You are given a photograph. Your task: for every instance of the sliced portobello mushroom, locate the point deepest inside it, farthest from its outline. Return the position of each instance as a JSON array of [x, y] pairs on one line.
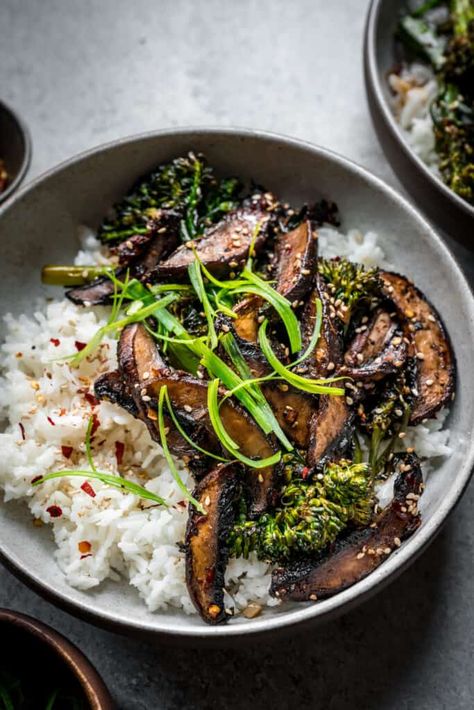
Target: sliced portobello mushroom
[[327, 355], [296, 253], [359, 553], [331, 429], [207, 537], [378, 351], [369, 343], [112, 387], [138, 255], [331, 426], [189, 394], [436, 368], [246, 324], [225, 247], [140, 361]]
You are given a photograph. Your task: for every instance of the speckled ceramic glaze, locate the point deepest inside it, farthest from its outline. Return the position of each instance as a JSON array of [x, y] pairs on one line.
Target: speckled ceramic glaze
[[447, 210], [15, 148], [39, 226], [67, 653]]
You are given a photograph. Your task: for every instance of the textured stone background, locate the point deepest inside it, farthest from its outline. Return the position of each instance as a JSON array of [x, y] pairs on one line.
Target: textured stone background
[[84, 72]]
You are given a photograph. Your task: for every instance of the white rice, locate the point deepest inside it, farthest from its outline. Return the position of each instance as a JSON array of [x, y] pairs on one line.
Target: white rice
[[128, 538]]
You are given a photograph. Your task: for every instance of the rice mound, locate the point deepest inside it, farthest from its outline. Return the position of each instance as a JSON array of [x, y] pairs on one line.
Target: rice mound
[[103, 532], [413, 91]]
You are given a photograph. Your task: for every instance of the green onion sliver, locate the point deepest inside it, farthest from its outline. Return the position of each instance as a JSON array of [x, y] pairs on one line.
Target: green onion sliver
[[195, 276], [226, 440], [314, 337], [167, 453], [302, 383], [110, 480], [184, 434]]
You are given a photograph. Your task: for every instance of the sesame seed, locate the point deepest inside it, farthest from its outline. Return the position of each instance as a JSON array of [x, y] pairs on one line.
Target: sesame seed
[[402, 435], [330, 366], [305, 272], [387, 550], [146, 398], [420, 356], [313, 597], [360, 555], [360, 357], [429, 382], [225, 328], [349, 400], [207, 500], [188, 408]]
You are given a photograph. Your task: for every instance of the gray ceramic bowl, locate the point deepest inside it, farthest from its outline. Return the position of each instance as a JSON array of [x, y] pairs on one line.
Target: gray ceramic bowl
[[447, 210], [15, 148], [41, 221], [41, 648]]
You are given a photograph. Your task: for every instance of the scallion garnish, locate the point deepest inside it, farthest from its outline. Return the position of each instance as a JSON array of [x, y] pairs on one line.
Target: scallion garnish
[[109, 479], [195, 276], [227, 442], [167, 453], [114, 325], [301, 383]]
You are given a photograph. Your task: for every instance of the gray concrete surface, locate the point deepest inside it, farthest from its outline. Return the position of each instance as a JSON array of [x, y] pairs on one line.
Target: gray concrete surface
[[83, 72]]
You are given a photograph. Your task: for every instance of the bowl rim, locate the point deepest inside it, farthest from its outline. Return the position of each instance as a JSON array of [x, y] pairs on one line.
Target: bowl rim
[[91, 682], [27, 151], [372, 74], [308, 613]]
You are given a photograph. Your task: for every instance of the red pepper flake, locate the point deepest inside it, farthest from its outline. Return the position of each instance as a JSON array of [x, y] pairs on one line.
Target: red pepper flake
[[95, 424], [87, 488], [91, 399], [36, 478], [119, 451], [54, 511], [304, 473], [22, 429], [181, 503], [55, 341], [83, 557], [51, 421], [79, 346], [67, 451], [84, 546], [210, 574]]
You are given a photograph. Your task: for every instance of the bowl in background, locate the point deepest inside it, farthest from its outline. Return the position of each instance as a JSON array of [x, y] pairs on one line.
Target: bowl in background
[[447, 210], [38, 661]]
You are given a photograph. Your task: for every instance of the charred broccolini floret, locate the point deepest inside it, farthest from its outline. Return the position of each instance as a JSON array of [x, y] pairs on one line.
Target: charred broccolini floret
[[384, 421], [311, 514], [187, 185], [350, 283]]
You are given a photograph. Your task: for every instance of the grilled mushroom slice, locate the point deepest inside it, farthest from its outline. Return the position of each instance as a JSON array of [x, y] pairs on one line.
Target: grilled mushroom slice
[[435, 379], [225, 246], [376, 352], [112, 387], [189, 394], [246, 324], [331, 425], [140, 361], [356, 556], [206, 540], [139, 255], [296, 254]]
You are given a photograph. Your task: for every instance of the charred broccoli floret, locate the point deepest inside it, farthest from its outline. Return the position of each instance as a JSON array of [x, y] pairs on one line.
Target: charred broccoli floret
[[187, 185], [311, 514], [349, 283]]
